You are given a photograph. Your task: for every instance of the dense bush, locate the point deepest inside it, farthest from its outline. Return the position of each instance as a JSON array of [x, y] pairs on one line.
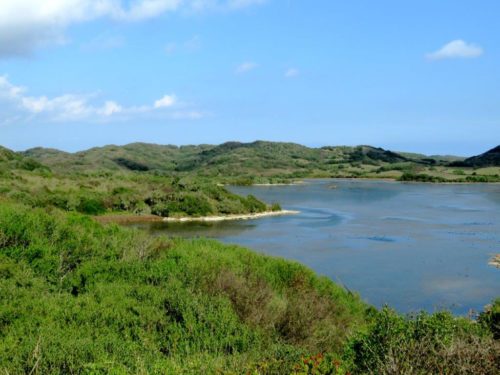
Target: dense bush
[[78, 297], [423, 344], [131, 193], [409, 176], [490, 318]]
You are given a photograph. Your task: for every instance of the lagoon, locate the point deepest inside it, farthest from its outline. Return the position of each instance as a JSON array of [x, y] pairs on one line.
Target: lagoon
[[411, 246]]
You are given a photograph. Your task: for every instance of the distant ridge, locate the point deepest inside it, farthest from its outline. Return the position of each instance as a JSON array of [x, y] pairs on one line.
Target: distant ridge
[[258, 162], [227, 159], [490, 158]]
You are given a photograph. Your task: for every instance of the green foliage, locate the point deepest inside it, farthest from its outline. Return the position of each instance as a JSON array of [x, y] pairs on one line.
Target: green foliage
[[409, 176], [423, 344], [257, 162], [91, 206], [78, 297], [276, 207], [129, 193], [253, 205], [238, 163], [490, 318]]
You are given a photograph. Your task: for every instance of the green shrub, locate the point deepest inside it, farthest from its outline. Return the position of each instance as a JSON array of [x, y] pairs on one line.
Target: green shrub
[[253, 205], [79, 297], [91, 206], [423, 344], [490, 318]]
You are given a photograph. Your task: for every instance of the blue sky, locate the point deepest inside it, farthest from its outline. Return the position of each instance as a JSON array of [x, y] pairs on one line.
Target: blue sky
[[415, 75]]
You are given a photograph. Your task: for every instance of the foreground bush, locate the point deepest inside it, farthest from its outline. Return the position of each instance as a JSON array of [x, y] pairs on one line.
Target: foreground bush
[[77, 297], [424, 344]]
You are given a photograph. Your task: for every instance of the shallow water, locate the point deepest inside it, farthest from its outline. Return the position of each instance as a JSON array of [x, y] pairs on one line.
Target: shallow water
[[412, 246]]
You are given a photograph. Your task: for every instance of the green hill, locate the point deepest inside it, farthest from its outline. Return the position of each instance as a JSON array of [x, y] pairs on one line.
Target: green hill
[[120, 189], [270, 162], [10, 160], [258, 158], [490, 158]]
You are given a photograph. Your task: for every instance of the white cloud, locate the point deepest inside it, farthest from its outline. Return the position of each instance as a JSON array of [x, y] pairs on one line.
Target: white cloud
[[26, 25], [166, 101], [456, 49], [246, 67], [111, 107], [291, 73], [69, 107]]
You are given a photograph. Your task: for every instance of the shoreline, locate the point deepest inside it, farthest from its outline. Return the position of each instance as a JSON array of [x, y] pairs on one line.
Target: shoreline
[[375, 179], [495, 261], [131, 219], [253, 216], [281, 184]]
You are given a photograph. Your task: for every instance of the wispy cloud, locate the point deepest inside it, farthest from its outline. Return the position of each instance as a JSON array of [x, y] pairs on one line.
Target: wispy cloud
[[70, 107], [456, 49], [246, 67], [292, 72], [26, 25]]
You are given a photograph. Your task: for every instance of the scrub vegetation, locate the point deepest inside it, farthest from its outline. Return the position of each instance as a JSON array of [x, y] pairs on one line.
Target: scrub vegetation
[[274, 162], [81, 297], [27, 181]]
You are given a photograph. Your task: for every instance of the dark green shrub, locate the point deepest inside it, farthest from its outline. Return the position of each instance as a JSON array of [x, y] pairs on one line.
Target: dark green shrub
[[490, 318], [275, 207], [91, 206], [253, 205]]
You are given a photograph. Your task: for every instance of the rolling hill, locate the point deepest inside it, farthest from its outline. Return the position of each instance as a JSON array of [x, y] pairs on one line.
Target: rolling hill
[[490, 158], [258, 158]]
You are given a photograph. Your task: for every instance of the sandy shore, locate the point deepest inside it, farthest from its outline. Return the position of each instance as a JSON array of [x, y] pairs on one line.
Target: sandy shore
[[294, 183], [130, 219], [230, 217], [495, 261]]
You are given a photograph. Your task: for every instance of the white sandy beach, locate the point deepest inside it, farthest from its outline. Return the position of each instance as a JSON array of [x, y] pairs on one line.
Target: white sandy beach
[[495, 261], [231, 217]]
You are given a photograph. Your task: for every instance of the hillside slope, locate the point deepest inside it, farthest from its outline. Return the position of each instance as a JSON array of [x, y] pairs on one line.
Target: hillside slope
[[490, 158], [231, 158]]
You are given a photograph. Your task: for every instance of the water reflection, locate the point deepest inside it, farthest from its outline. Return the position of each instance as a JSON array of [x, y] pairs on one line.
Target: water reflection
[[196, 229]]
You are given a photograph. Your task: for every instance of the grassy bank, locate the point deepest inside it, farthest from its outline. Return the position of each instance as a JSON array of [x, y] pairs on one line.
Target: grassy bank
[[80, 297]]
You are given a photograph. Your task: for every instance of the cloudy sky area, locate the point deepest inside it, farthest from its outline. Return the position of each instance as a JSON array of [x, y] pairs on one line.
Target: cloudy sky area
[[416, 75]]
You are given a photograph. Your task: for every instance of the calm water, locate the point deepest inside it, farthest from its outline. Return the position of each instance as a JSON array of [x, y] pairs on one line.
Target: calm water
[[412, 246]]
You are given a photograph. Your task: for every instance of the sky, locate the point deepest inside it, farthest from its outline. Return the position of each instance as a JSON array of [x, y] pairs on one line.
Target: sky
[[416, 75]]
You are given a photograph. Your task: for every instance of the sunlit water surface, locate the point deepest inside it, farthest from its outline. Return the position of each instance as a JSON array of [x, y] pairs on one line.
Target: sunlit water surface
[[412, 246]]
